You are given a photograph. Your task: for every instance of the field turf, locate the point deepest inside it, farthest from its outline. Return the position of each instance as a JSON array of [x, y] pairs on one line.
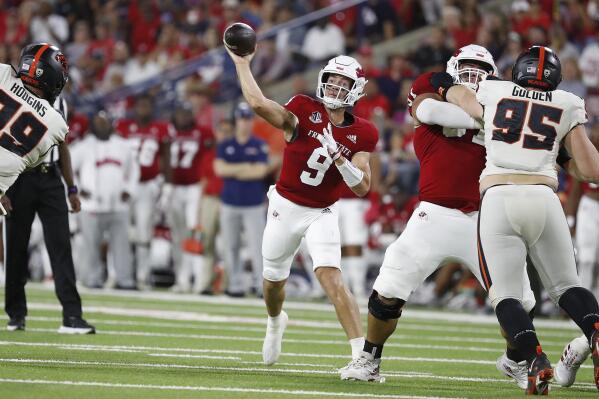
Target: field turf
[[162, 345]]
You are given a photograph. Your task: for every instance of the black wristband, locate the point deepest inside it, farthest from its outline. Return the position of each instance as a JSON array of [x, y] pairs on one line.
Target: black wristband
[[441, 82], [73, 190]]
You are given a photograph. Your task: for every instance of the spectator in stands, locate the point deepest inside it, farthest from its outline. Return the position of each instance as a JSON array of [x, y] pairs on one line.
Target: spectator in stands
[[435, 53], [142, 66], [398, 69], [379, 20], [115, 72], [242, 162], [323, 41], [558, 41], [571, 78], [589, 62], [509, 56], [80, 43], [373, 104], [366, 58], [107, 175], [47, 26]]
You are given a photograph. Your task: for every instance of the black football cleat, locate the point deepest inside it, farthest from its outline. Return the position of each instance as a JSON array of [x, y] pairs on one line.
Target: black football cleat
[[16, 324], [76, 325], [540, 373]]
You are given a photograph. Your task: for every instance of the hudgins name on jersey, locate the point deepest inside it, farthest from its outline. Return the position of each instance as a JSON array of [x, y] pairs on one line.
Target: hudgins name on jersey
[[531, 94], [30, 99]]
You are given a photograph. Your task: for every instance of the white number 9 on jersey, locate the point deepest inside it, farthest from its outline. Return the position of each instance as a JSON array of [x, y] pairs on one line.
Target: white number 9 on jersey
[[319, 162]]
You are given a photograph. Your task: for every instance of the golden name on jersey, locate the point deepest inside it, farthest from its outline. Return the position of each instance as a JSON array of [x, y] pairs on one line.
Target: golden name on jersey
[[532, 94], [30, 99]]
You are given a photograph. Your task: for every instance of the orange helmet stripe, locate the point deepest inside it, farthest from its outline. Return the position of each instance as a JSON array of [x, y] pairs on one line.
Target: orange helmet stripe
[[37, 58], [541, 63]]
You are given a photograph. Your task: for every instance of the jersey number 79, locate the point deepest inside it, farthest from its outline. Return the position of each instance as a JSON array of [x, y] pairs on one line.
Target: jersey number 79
[[26, 131]]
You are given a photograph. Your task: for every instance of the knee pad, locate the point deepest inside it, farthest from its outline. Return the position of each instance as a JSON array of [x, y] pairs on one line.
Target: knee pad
[[384, 310], [274, 271]]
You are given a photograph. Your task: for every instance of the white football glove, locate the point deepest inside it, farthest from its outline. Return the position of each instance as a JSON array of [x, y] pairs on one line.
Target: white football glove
[[453, 132], [328, 142]]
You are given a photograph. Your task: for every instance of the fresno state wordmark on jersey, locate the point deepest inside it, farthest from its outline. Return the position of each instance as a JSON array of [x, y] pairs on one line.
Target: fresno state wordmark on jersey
[[307, 177]]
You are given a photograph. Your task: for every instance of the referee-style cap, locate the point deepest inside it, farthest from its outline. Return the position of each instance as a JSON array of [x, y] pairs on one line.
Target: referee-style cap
[[243, 110]]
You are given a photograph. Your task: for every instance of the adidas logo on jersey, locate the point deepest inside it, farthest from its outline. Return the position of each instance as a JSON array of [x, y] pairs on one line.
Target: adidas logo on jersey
[[352, 137], [326, 210]]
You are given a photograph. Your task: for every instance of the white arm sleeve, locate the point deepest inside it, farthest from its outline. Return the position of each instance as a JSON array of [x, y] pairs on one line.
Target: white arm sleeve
[[434, 112]]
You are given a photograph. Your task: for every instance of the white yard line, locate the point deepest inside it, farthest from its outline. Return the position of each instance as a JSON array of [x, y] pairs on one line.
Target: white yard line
[[287, 340], [215, 337], [192, 351], [259, 369], [215, 389], [409, 313]]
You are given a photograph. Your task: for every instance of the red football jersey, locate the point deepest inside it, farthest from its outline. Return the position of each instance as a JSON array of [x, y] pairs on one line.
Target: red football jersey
[[145, 141], [308, 176], [187, 149], [449, 166]]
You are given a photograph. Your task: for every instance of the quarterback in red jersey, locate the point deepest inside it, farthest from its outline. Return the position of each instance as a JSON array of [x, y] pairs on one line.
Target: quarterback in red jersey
[[150, 140], [443, 226], [319, 133]]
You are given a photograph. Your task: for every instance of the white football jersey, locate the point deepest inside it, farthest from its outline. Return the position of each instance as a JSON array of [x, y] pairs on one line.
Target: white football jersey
[[524, 128], [29, 127]]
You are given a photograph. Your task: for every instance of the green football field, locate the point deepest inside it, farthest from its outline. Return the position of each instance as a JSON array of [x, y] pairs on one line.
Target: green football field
[[162, 345]]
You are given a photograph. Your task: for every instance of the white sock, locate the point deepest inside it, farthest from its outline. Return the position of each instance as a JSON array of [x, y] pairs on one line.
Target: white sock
[[355, 268], [274, 321], [357, 344]]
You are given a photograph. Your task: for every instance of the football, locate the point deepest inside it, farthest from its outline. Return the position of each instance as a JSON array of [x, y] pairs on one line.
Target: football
[[240, 38]]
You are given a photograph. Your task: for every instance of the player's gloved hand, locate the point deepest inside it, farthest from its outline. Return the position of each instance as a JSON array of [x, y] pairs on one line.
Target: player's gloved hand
[[453, 132], [441, 81], [328, 142]]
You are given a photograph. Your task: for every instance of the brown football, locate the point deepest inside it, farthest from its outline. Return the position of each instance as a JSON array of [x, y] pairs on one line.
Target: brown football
[[240, 38]]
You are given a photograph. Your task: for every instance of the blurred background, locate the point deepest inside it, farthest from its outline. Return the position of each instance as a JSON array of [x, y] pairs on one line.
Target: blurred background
[[158, 70]]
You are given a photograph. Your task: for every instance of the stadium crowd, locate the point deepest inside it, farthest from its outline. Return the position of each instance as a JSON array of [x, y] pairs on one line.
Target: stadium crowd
[[114, 43]]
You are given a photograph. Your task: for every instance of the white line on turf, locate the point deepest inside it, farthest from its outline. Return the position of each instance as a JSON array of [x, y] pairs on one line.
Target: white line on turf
[[566, 335], [257, 369], [152, 349], [408, 313], [216, 389], [452, 347]]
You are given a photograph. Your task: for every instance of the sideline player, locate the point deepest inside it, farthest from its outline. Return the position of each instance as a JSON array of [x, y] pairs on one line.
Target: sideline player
[[29, 124], [189, 142], [150, 139], [526, 122], [443, 227], [303, 203]]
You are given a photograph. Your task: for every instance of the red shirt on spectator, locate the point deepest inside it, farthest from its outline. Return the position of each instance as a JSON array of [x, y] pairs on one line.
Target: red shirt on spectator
[[368, 105], [145, 24], [78, 125]]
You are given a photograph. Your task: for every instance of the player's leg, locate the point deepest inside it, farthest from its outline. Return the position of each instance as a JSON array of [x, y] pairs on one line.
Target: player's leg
[[118, 237], [209, 218], [506, 212], [254, 221], [53, 213], [144, 209], [323, 241], [553, 255], [281, 239], [587, 244], [511, 363], [91, 238], [231, 222], [354, 235], [17, 229], [411, 258], [178, 226]]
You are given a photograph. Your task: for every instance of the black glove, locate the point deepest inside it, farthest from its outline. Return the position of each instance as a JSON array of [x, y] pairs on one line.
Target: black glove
[[441, 81]]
